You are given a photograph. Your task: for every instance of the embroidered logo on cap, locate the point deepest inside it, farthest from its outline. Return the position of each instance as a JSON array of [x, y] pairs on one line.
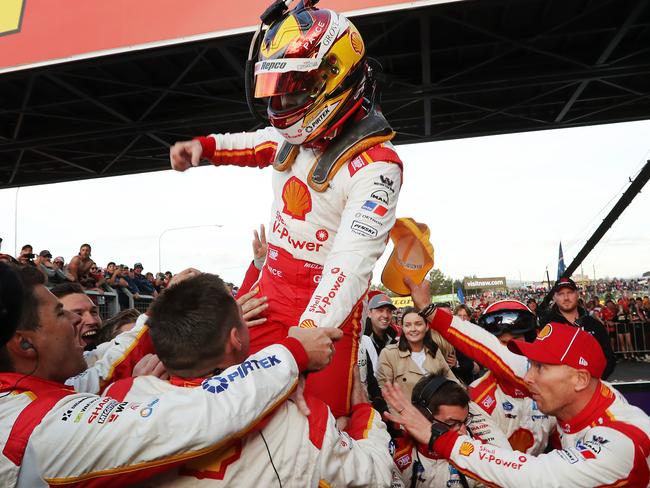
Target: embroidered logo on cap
[[545, 332]]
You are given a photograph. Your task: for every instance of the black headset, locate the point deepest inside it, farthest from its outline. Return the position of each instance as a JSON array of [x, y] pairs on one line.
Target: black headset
[[421, 397]]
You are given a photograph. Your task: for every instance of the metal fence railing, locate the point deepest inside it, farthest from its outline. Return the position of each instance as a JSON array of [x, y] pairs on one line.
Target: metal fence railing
[[106, 302], [141, 304], [109, 305], [631, 339]]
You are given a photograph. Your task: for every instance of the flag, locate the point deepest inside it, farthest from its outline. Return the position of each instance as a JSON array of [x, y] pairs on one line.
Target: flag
[[560, 263], [461, 295]]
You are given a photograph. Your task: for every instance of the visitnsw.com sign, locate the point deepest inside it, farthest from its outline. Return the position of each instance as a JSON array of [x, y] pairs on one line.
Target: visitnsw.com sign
[[484, 283]]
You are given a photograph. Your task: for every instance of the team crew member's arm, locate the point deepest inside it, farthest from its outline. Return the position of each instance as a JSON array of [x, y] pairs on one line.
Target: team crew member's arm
[[256, 149], [251, 277], [481, 346], [360, 241], [608, 457], [87, 438], [112, 362], [587, 465], [359, 457]]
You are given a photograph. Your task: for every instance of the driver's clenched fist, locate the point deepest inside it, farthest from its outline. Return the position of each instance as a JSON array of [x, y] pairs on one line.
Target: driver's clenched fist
[[185, 154]]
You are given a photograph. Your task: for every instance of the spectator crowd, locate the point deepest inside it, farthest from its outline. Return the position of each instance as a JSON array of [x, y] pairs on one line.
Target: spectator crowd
[[451, 384]]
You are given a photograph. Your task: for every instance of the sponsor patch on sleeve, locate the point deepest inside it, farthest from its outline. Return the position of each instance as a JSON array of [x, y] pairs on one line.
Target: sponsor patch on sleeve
[[375, 208]]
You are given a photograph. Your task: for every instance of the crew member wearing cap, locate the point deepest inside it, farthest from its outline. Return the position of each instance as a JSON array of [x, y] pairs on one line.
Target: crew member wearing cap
[[605, 441], [378, 325], [566, 310], [505, 412]]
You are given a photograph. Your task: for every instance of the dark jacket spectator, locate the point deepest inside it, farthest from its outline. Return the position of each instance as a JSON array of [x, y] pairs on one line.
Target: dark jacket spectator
[[589, 324], [52, 272], [141, 282]]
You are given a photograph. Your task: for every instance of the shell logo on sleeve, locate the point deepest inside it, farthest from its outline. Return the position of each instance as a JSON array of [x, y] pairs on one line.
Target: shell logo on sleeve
[[466, 448]]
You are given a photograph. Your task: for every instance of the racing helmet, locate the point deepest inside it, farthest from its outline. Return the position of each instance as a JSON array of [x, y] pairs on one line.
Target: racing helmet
[[312, 67], [509, 316]]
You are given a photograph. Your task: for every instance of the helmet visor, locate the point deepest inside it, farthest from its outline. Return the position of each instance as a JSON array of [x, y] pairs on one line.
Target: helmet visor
[[516, 322], [288, 75]]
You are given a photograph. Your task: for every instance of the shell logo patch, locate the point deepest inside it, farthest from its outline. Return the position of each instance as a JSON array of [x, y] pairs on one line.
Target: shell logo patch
[[466, 448], [11, 16], [357, 43], [296, 198], [545, 332], [521, 440], [307, 324]]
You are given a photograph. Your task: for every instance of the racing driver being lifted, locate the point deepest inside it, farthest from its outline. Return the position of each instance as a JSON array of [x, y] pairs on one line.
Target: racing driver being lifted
[[336, 179]]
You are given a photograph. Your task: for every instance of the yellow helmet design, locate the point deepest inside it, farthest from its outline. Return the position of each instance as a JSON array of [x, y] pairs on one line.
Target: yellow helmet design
[[312, 67]]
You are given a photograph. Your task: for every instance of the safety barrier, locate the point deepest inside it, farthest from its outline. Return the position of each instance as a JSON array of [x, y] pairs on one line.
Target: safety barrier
[[141, 303], [109, 305], [631, 339], [106, 302]]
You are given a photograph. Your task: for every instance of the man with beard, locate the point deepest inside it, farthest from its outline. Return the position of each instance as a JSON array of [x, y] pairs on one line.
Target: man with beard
[[566, 310]]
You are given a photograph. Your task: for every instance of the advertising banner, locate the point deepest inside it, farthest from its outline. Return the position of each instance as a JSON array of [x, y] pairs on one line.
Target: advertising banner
[[40, 32], [484, 283], [401, 302]]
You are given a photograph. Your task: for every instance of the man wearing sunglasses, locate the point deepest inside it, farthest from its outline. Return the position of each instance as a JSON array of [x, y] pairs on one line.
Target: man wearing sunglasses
[[444, 401], [336, 179], [505, 409]]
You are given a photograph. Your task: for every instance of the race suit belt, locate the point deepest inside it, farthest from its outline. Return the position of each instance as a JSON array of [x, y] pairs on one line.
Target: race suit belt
[[290, 270]]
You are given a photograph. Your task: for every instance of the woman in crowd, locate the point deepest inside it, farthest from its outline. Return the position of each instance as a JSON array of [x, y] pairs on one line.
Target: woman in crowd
[[462, 366], [414, 356], [463, 312]]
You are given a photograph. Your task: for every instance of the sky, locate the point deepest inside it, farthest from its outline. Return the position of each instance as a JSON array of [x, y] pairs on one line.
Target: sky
[[496, 206]]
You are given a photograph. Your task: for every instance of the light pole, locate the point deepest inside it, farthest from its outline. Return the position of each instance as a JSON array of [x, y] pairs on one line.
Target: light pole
[[178, 228], [16, 224]]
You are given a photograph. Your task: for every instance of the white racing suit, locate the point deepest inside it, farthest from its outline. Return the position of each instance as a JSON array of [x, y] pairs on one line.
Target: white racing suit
[[502, 412], [607, 444], [323, 244], [305, 451], [428, 470], [52, 435], [114, 360]]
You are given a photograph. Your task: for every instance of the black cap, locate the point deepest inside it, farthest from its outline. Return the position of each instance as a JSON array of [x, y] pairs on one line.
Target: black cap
[[45, 254], [138, 265], [565, 283]]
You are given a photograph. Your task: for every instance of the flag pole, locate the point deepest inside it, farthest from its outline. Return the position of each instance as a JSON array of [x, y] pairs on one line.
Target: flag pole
[[635, 187]]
